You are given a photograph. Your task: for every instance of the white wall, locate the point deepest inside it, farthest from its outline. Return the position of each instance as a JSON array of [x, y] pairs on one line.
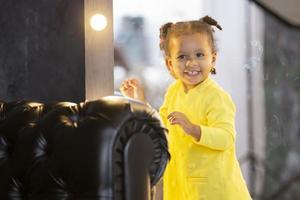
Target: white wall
[[231, 71], [241, 49]]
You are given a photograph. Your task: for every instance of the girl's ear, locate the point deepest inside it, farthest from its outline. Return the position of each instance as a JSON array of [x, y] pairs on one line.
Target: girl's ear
[[214, 58], [169, 64]]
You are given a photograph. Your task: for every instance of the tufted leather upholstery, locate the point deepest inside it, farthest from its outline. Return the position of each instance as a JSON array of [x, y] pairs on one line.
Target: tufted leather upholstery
[[110, 149]]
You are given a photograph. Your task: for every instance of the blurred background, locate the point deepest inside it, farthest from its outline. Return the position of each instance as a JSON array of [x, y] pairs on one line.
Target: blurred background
[[258, 64]]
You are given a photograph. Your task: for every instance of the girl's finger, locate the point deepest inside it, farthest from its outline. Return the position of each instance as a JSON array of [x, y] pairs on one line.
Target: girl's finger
[[174, 113], [132, 85], [174, 122], [169, 116], [127, 85], [134, 81], [171, 119], [124, 84]]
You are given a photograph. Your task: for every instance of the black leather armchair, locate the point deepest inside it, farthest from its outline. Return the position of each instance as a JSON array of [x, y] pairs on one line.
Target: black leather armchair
[[111, 149]]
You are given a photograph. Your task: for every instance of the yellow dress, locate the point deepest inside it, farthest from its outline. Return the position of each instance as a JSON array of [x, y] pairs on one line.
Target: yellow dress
[[207, 169]]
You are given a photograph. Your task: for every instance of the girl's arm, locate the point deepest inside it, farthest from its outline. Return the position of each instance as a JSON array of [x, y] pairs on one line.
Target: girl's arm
[[219, 133], [133, 89]]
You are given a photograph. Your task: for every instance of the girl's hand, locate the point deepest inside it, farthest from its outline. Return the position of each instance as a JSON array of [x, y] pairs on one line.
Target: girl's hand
[[133, 89], [178, 118]]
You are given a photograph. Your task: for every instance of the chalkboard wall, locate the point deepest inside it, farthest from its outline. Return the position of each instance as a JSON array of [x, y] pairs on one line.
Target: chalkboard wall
[[42, 50]]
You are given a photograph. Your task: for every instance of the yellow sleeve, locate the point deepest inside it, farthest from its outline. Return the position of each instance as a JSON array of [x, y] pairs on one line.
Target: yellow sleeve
[[219, 134], [163, 110]]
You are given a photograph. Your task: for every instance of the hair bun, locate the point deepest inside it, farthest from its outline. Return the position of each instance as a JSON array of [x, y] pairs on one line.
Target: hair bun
[[164, 30], [207, 19], [163, 34]]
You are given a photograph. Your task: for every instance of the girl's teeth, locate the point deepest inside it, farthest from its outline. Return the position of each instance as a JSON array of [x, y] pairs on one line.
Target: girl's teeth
[[192, 73]]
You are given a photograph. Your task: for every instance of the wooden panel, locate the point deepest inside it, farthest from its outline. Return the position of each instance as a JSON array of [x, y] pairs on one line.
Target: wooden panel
[[98, 51]]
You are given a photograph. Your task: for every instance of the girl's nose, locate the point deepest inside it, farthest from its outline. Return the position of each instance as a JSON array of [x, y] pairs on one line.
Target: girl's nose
[[191, 62]]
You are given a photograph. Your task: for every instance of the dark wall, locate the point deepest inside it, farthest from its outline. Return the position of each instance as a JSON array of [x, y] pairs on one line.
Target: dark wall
[[42, 50], [282, 94]]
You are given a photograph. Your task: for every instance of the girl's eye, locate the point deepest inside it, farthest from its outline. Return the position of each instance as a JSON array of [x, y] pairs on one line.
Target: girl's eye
[[181, 57], [199, 55]]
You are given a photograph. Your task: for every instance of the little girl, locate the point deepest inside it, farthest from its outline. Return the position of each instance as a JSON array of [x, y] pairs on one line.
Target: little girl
[[199, 115]]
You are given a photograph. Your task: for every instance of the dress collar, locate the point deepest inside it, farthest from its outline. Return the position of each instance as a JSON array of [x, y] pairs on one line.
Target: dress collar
[[198, 87]]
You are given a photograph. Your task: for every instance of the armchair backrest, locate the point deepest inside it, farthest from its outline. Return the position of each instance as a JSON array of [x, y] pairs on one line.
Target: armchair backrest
[[114, 148]]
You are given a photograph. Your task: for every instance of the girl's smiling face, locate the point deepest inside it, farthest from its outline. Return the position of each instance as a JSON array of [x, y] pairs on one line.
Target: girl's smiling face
[[191, 58]]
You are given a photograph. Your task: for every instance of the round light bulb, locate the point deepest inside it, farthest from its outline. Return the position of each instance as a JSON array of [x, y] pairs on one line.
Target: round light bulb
[[98, 22]]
